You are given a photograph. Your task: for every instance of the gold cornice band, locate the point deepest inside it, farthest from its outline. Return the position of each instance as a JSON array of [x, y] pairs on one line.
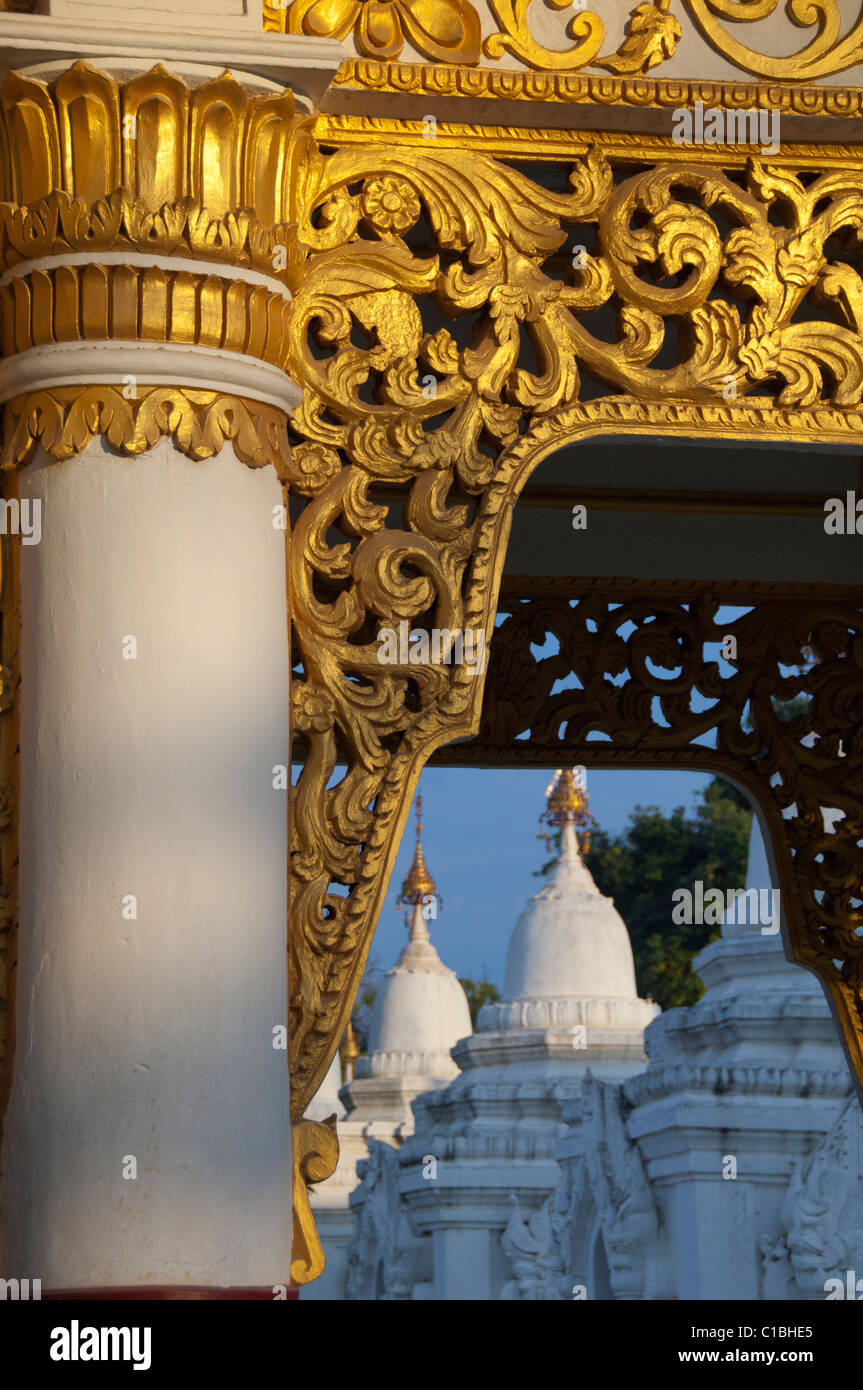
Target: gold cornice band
[[580, 89], [551, 145]]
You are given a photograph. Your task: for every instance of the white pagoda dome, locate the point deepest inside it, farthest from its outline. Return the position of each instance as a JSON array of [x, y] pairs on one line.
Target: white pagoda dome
[[419, 1014], [570, 941], [569, 962], [571, 1010]]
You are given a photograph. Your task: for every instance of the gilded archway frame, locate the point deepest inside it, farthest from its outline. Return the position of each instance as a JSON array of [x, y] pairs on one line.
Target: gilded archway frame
[[413, 445]]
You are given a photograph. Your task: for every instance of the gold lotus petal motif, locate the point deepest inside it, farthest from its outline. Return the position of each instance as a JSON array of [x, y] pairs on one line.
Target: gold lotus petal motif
[[88, 136]]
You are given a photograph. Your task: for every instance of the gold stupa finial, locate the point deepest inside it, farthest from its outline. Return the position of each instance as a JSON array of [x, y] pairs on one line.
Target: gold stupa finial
[[418, 884], [348, 1051], [566, 801]]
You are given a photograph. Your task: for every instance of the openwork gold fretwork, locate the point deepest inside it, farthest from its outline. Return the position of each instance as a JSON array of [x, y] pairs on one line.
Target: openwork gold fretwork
[[442, 340], [629, 675], [826, 53]]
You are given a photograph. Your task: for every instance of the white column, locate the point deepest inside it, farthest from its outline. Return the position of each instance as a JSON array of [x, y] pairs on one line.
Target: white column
[[150, 1038]]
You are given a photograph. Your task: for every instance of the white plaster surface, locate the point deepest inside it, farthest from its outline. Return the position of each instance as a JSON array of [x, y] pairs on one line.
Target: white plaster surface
[[154, 777]]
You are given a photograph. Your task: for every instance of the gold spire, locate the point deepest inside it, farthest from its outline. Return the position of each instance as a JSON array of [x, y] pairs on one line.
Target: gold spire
[[566, 801], [348, 1049], [418, 883]]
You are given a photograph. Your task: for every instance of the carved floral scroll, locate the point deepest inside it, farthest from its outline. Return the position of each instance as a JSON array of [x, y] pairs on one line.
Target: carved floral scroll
[[450, 31]]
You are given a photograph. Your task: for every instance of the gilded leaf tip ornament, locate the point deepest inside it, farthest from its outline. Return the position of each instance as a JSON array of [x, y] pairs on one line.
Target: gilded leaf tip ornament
[[316, 1153], [64, 420], [652, 36]]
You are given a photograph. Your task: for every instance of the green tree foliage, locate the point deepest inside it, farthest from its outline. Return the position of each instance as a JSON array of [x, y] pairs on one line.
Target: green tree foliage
[[479, 992], [655, 854], [362, 1015]]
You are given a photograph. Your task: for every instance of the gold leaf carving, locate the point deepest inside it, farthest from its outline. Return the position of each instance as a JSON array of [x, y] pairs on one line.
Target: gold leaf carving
[[316, 1153], [515, 37], [413, 524], [65, 419], [825, 55], [652, 36], [445, 30], [449, 31]]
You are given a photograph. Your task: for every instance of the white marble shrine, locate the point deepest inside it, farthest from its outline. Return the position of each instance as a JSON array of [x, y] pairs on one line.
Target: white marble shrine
[[564, 1161]]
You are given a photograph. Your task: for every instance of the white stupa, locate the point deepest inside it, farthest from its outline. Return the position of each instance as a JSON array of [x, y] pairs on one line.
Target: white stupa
[[571, 1007], [326, 1101], [419, 1014], [570, 976]]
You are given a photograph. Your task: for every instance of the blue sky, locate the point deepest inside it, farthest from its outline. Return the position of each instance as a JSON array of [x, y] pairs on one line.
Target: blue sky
[[479, 837]]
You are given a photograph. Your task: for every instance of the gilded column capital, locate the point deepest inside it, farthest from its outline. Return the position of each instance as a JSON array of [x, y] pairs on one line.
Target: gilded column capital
[[148, 254]]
